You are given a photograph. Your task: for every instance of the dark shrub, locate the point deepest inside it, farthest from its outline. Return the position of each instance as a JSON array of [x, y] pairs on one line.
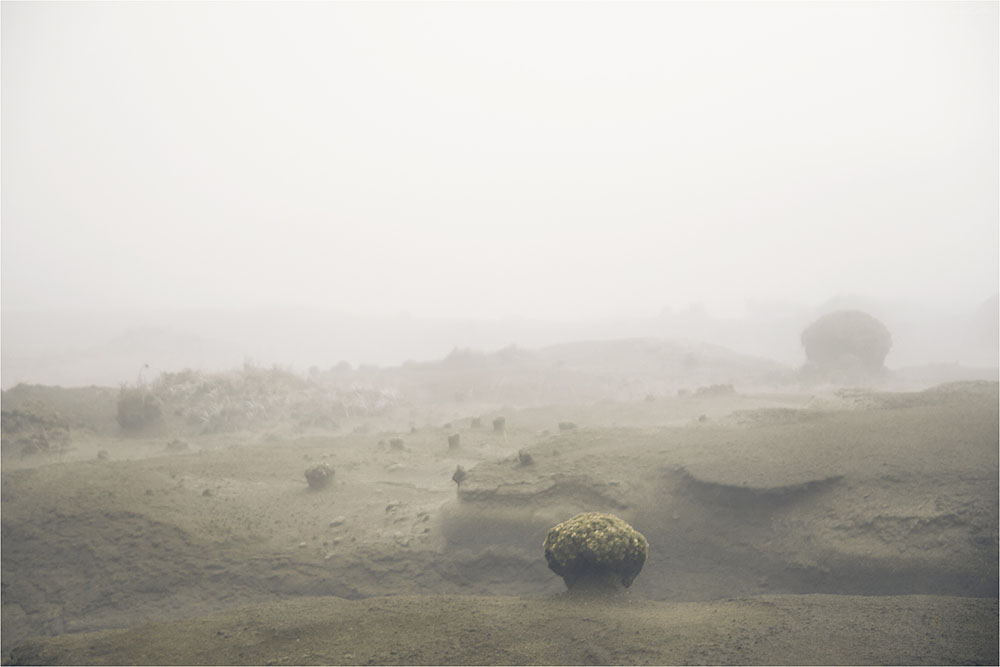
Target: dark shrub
[[138, 409], [595, 550], [319, 476], [849, 340]]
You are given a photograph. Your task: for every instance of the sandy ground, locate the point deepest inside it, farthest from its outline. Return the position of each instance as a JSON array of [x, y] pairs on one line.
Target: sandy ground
[[835, 529], [473, 630]]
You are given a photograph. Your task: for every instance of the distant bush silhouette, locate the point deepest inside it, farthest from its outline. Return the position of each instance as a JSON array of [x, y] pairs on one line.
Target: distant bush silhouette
[[847, 341], [138, 408]]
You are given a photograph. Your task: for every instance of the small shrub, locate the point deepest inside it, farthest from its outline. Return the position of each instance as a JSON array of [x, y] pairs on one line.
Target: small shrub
[[499, 424], [138, 409], [454, 441], [595, 549], [319, 476]]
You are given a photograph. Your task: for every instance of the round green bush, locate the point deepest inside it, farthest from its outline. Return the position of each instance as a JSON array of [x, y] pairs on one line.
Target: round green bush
[[595, 547]]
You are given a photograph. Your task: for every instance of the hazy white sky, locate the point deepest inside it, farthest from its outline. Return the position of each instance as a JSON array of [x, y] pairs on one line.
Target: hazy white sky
[[530, 159]]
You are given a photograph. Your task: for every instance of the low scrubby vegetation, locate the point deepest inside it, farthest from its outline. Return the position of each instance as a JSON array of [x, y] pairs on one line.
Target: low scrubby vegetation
[[254, 396], [189, 403], [138, 409], [27, 432]]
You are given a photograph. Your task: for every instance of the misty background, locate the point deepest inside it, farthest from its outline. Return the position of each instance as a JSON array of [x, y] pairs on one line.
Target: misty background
[[195, 184]]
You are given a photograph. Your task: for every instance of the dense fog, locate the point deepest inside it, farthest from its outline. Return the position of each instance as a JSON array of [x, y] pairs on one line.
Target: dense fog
[[305, 183], [111, 347], [500, 333]]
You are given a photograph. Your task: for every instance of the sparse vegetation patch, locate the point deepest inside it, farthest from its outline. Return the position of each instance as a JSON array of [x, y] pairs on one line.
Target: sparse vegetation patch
[[27, 432]]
